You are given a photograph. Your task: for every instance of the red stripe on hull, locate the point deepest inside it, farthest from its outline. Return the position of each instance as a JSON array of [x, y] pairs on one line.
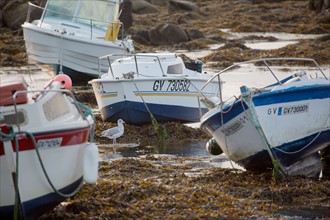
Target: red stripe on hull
[[69, 137]]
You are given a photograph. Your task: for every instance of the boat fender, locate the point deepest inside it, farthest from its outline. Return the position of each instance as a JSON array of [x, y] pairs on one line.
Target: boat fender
[[90, 163], [213, 148], [64, 80]]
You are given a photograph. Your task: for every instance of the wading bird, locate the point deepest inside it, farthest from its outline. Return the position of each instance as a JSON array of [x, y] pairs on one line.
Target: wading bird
[[115, 132]]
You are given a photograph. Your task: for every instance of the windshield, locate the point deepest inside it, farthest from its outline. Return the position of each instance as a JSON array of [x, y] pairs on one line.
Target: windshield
[[97, 12]]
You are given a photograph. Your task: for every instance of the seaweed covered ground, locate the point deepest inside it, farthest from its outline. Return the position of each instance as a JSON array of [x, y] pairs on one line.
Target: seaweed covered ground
[[168, 187], [155, 186]]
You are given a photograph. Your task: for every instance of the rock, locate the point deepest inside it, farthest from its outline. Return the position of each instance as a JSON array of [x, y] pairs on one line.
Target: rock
[[143, 7], [2, 4], [158, 2], [195, 34], [239, 45], [167, 34], [35, 13], [180, 5], [1, 23], [126, 16], [140, 36], [319, 5], [14, 14], [188, 17], [324, 38]]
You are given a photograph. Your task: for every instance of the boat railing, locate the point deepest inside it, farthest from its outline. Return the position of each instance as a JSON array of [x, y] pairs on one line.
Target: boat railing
[[40, 93], [266, 62], [112, 57], [36, 12]]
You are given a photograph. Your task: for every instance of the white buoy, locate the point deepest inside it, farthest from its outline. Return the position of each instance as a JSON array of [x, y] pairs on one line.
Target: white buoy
[[91, 163]]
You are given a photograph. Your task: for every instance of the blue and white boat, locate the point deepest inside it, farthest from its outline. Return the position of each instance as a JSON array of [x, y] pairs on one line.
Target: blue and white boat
[[140, 84], [287, 122], [72, 35]]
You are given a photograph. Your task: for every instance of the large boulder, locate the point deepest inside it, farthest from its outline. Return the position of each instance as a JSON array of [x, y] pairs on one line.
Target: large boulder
[[140, 36], [167, 34], [14, 14], [143, 7], [195, 34], [126, 16], [180, 5], [1, 24], [319, 5]]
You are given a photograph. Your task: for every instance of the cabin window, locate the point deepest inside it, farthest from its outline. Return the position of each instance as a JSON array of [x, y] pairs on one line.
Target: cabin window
[[98, 13], [61, 9], [55, 107], [174, 69]]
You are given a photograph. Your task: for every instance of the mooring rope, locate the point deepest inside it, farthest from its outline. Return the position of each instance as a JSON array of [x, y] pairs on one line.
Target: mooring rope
[[248, 100], [160, 129]]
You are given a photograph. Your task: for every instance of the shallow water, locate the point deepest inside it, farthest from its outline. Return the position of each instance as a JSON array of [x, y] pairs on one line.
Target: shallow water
[[307, 212], [283, 39], [183, 149]]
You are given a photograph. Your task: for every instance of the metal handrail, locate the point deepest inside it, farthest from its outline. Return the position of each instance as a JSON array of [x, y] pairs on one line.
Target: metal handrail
[[108, 57], [265, 61]]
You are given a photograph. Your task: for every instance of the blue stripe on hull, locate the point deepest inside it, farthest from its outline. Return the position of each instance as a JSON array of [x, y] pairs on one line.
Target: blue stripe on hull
[[268, 98], [216, 121], [37, 207], [261, 161], [136, 113], [292, 95]]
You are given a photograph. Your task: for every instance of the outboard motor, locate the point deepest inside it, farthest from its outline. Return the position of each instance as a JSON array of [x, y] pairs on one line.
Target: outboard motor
[[213, 148]]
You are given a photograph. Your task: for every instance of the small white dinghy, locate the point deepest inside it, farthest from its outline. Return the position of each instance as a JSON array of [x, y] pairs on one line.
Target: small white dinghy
[[287, 122], [159, 83], [45, 153]]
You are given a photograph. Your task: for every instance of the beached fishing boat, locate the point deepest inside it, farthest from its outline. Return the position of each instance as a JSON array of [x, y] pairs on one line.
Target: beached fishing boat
[[286, 122], [140, 84], [45, 153], [72, 35]]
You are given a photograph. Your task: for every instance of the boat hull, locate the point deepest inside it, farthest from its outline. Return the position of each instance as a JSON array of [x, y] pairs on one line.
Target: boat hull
[[36, 194], [44, 150], [136, 113], [294, 124], [132, 100], [77, 53]]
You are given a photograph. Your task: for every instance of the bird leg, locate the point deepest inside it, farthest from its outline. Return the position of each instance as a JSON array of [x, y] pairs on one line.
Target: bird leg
[[114, 146]]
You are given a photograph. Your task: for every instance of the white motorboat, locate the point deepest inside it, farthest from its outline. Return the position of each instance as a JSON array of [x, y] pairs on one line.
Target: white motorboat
[[45, 152], [72, 35], [286, 122], [157, 83]]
